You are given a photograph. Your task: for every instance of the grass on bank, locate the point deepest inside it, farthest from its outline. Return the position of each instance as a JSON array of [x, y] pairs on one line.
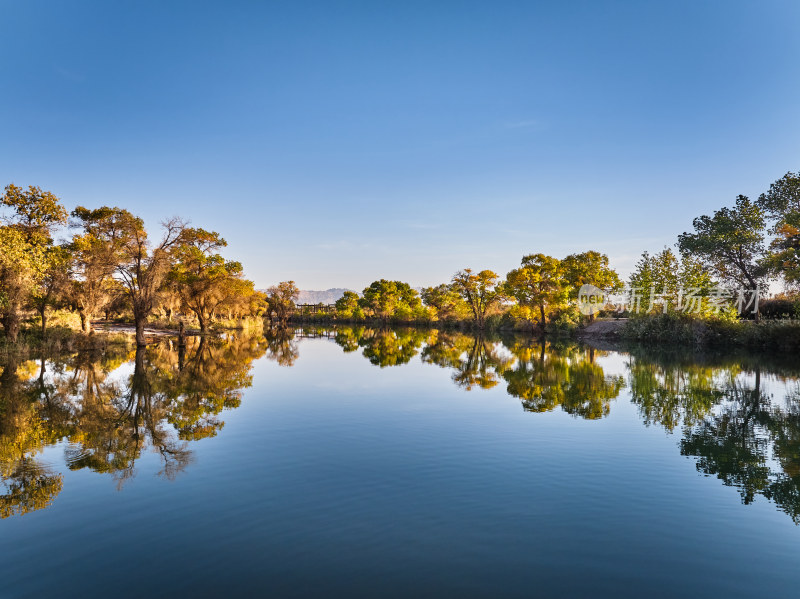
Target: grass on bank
[[773, 335], [779, 329]]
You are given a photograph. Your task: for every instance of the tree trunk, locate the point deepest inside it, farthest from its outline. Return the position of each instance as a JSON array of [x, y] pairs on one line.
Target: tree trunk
[[541, 310], [202, 322], [86, 321], [756, 290], [11, 325], [43, 314], [140, 339]]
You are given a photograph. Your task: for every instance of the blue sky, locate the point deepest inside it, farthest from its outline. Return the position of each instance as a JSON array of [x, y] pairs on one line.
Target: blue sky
[[335, 143]]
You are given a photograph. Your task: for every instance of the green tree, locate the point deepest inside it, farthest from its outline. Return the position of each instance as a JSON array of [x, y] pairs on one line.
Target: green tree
[[29, 221], [589, 268], [657, 274], [281, 299], [54, 285], [781, 204], [241, 298], [347, 305], [731, 243], [114, 241], [784, 257], [665, 282], [447, 301], [386, 299], [35, 213], [480, 291], [96, 252], [143, 267], [203, 280], [20, 270], [539, 284]]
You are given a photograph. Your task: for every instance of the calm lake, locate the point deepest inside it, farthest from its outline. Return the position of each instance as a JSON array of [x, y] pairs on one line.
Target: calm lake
[[366, 463]]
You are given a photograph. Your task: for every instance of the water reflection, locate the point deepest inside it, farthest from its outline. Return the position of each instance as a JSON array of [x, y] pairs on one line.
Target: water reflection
[[110, 407], [27, 485], [737, 416], [546, 377], [736, 430], [542, 375], [751, 441], [382, 347], [476, 360], [282, 346], [669, 393]]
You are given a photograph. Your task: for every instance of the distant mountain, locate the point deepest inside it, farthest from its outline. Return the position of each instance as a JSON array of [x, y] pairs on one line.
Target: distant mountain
[[328, 296]]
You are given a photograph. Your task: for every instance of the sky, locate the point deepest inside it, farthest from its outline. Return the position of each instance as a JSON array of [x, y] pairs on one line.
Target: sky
[[335, 143]]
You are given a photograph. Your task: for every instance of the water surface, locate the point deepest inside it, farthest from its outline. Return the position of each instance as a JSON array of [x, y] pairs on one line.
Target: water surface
[[358, 462]]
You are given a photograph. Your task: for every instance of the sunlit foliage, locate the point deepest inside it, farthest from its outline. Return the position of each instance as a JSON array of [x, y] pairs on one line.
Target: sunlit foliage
[[481, 291], [281, 299], [540, 285]]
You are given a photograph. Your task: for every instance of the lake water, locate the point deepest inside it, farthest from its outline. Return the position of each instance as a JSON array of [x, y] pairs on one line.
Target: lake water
[[364, 463]]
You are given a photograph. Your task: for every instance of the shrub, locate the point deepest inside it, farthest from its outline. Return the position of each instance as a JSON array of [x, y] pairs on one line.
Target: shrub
[[774, 335]]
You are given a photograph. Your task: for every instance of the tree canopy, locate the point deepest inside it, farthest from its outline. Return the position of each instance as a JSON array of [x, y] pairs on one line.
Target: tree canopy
[[481, 291], [730, 243], [539, 284]]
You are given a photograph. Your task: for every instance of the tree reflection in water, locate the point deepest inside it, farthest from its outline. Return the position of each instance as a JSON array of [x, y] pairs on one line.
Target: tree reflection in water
[[391, 347], [27, 485], [476, 361], [734, 428], [282, 346], [542, 375], [112, 406], [751, 442], [546, 377]]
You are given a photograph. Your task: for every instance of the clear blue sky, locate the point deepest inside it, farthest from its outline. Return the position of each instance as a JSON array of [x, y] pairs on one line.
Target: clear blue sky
[[334, 143]]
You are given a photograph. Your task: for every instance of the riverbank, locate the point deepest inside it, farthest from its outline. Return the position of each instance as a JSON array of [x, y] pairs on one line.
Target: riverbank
[[59, 340], [772, 335], [563, 325], [657, 330], [662, 329], [104, 334]]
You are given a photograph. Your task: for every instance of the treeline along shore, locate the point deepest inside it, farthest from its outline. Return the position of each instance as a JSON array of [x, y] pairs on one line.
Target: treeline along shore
[[711, 289]]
